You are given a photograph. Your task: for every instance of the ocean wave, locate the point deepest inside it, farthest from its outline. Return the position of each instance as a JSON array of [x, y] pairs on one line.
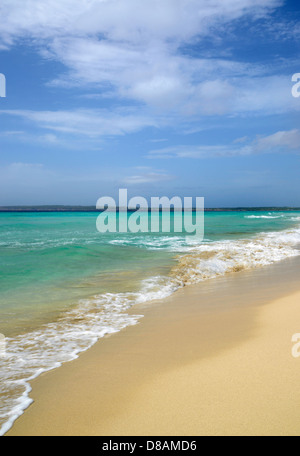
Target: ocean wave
[[40, 244], [264, 216], [219, 258], [171, 243]]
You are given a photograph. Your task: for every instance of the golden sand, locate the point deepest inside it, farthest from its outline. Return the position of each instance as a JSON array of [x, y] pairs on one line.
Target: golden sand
[[213, 359]]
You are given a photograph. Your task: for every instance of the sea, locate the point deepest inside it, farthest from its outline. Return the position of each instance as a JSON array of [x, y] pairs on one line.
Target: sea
[[64, 285]]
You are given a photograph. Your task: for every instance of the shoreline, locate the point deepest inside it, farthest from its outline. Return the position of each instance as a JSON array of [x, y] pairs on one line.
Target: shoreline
[[170, 363]]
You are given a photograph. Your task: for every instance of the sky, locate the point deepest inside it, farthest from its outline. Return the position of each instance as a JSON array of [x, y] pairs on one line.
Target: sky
[[162, 97]]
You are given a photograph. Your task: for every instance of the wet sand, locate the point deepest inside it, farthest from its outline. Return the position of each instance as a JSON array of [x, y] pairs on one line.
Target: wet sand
[[212, 359]]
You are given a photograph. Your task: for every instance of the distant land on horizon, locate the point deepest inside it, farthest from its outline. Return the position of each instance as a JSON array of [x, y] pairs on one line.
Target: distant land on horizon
[[66, 208]]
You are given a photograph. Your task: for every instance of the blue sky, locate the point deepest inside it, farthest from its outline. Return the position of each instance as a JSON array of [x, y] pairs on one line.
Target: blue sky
[[164, 97]]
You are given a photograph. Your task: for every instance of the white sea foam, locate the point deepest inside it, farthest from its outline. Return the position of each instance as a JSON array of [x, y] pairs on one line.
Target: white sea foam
[[211, 260], [172, 243], [264, 216], [28, 355]]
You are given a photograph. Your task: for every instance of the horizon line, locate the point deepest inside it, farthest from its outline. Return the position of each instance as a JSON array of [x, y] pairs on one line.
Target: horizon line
[[84, 208]]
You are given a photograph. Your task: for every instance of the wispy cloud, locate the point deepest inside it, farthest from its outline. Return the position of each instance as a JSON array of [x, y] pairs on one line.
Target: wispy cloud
[[281, 141], [146, 175], [88, 122]]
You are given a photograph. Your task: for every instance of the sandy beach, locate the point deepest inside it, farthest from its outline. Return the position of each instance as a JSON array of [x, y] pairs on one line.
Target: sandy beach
[[212, 359]]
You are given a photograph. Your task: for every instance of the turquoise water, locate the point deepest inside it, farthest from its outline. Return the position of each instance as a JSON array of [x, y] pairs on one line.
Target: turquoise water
[[63, 285], [49, 261]]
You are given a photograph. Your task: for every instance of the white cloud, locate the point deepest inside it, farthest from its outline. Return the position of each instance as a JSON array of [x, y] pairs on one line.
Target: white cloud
[[147, 176], [158, 76], [91, 123], [132, 51], [281, 141], [11, 133], [192, 152], [119, 20]]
